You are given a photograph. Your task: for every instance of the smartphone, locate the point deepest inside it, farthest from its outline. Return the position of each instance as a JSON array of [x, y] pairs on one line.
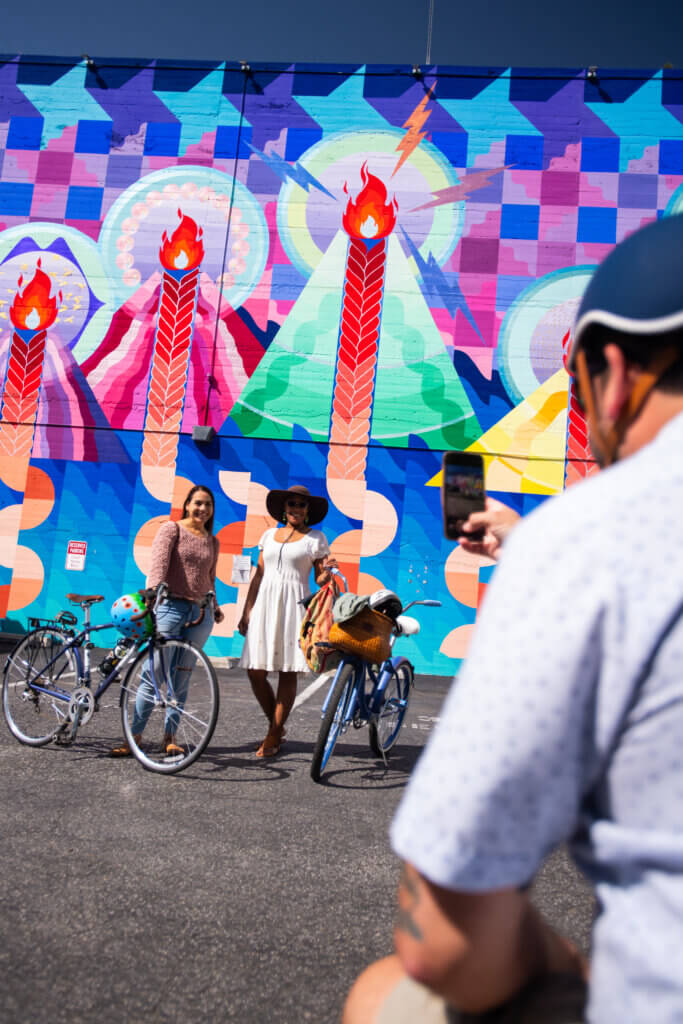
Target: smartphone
[[462, 491]]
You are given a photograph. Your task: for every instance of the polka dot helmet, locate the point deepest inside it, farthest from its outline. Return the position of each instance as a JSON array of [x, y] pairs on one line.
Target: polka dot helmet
[[131, 616]]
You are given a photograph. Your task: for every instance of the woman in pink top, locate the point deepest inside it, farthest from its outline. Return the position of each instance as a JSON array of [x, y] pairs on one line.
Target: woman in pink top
[[184, 556]]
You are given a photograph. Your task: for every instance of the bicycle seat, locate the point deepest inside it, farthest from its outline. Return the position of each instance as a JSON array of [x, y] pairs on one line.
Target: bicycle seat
[[407, 625], [84, 599]]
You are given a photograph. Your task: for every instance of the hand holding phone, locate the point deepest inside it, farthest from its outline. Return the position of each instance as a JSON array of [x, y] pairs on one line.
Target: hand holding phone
[[462, 491]]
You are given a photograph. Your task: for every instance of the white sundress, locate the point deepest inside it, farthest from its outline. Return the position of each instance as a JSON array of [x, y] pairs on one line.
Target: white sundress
[[272, 640]]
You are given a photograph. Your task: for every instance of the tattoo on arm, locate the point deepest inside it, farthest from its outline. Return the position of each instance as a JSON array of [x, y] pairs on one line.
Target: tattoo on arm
[[409, 895]]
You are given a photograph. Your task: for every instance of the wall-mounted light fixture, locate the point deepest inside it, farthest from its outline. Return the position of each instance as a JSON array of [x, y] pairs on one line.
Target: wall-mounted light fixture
[[88, 60], [417, 71], [203, 434], [592, 73], [244, 66]]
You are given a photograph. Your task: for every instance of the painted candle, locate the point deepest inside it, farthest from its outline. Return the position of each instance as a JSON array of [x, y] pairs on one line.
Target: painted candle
[[32, 312], [368, 222], [180, 257], [579, 461]]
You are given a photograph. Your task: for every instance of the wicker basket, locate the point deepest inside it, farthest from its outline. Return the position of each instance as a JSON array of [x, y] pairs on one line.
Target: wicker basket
[[366, 634]]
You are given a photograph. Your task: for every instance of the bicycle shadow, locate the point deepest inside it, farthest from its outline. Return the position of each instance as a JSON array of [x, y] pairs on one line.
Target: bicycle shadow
[[392, 775]]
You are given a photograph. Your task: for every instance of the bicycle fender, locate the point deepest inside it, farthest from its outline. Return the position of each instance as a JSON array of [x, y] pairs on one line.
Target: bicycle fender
[[332, 685], [398, 661]]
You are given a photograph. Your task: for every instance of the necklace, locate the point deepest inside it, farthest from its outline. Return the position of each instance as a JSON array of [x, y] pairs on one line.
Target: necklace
[[282, 548]]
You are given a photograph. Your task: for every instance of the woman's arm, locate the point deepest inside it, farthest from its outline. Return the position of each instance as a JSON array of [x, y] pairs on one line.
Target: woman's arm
[[321, 569], [163, 546], [252, 594]]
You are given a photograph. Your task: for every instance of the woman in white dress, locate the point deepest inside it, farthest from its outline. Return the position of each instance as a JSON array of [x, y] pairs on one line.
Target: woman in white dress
[[272, 612]]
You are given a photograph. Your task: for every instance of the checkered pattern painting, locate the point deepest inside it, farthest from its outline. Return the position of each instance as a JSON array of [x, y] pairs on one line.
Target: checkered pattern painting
[[345, 271]]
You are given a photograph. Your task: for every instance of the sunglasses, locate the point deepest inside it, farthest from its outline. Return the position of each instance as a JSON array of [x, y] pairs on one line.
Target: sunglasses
[[296, 504]]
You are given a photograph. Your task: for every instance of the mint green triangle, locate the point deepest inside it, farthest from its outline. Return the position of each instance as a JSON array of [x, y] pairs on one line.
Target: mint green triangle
[[417, 389]]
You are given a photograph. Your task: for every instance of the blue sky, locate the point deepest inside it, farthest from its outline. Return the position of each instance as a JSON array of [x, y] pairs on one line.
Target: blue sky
[[560, 33]]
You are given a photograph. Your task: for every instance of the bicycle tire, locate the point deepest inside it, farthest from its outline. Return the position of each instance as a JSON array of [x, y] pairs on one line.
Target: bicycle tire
[[331, 724], [34, 716], [151, 689], [384, 730]]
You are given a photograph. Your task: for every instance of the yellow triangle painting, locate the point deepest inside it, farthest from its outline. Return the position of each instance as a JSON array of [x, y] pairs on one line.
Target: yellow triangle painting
[[525, 451]]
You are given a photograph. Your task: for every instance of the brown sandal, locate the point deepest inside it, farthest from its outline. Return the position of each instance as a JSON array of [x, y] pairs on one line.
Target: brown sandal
[[270, 746], [124, 750]]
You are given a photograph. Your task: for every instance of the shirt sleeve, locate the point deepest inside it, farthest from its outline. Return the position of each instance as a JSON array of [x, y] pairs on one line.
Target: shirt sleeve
[[319, 547], [163, 544], [501, 780]]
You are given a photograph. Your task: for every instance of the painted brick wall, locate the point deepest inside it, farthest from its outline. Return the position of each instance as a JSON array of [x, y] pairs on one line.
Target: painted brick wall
[[344, 270]]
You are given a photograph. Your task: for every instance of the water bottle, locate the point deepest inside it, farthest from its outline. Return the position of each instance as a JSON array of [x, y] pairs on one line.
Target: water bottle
[[109, 663]]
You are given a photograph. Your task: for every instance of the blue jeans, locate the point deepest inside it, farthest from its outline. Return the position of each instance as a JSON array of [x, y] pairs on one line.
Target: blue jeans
[[172, 617]]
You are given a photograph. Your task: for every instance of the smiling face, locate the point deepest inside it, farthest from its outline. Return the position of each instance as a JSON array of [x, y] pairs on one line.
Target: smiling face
[[199, 509], [295, 511]]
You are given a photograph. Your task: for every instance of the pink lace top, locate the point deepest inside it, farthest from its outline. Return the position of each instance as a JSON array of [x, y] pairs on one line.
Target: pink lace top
[[185, 562]]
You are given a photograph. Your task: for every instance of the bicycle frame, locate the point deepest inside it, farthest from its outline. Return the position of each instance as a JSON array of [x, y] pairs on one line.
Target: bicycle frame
[[367, 704], [77, 644]]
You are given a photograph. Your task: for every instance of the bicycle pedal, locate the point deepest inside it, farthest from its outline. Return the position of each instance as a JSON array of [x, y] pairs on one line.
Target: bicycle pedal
[[64, 739]]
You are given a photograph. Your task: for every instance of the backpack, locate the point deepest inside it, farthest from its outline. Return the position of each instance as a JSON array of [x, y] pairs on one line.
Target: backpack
[[315, 626]]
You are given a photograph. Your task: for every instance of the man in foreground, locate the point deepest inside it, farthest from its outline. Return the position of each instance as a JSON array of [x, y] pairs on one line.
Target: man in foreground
[[567, 721]]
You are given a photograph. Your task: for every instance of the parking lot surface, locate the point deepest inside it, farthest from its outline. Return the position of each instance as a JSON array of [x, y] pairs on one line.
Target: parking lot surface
[[237, 890]]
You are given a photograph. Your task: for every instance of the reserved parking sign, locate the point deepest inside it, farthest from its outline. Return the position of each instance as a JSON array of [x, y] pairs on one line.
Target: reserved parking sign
[[75, 554]]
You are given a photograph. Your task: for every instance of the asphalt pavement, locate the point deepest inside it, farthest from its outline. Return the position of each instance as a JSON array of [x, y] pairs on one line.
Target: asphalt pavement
[[238, 890]]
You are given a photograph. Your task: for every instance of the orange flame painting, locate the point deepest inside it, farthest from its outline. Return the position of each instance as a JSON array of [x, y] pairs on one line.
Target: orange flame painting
[[370, 216], [184, 249], [34, 309]]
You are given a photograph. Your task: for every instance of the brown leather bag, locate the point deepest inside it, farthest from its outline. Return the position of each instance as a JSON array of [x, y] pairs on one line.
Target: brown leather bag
[[366, 634]]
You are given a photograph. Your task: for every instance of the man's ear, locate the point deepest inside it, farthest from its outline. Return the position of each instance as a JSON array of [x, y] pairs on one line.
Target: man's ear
[[620, 377]]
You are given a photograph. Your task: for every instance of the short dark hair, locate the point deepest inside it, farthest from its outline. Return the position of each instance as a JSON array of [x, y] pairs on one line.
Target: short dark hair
[[638, 349], [188, 498]]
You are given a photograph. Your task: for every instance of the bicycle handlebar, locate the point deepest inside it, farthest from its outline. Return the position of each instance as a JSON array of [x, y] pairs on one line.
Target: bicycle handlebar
[[162, 592]]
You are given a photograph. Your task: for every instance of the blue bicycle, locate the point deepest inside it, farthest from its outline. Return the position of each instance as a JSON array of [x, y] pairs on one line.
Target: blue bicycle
[[47, 691], [364, 694]]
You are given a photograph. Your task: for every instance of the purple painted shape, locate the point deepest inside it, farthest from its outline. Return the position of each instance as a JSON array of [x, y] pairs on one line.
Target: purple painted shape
[[397, 109], [54, 168], [13, 103], [560, 188], [638, 191], [131, 105], [564, 118], [479, 255], [271, 108]]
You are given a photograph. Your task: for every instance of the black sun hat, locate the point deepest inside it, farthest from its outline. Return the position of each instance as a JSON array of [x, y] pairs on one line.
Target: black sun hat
[[275, 503]]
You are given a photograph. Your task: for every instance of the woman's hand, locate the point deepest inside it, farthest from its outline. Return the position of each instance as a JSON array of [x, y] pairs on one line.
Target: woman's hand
[[325, 575], [218, 614], [243, 625]]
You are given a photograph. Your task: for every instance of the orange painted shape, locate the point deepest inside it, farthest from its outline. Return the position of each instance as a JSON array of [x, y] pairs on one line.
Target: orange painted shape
[[457, 643], [464, 586], [13, 471], [39, 498], [231, 538], [482, 591], [4, 599]]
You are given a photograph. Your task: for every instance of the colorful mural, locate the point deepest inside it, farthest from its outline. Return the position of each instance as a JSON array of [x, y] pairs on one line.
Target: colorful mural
[[344, 271]]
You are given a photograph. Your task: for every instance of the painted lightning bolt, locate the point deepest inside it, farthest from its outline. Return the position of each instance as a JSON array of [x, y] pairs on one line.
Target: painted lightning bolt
[[438, 287], [469, 184], [285, 170], [414, 136]]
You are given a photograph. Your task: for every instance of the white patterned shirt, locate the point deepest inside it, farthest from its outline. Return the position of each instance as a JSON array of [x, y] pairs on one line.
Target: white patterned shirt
[[557, 730]]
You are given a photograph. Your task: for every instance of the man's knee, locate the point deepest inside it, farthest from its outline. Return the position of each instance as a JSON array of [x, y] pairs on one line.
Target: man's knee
[[371, 989]]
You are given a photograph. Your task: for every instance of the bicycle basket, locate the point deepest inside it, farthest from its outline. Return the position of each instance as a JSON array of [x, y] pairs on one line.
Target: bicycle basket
[[366, 634]]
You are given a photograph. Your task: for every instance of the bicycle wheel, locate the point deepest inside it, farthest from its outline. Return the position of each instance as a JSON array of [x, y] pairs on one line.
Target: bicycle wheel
[[384, 730], [169, 695], [331, 725], [38, 681]]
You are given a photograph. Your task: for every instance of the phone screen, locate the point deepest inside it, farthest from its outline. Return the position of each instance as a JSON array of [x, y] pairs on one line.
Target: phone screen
[[462, 490]]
